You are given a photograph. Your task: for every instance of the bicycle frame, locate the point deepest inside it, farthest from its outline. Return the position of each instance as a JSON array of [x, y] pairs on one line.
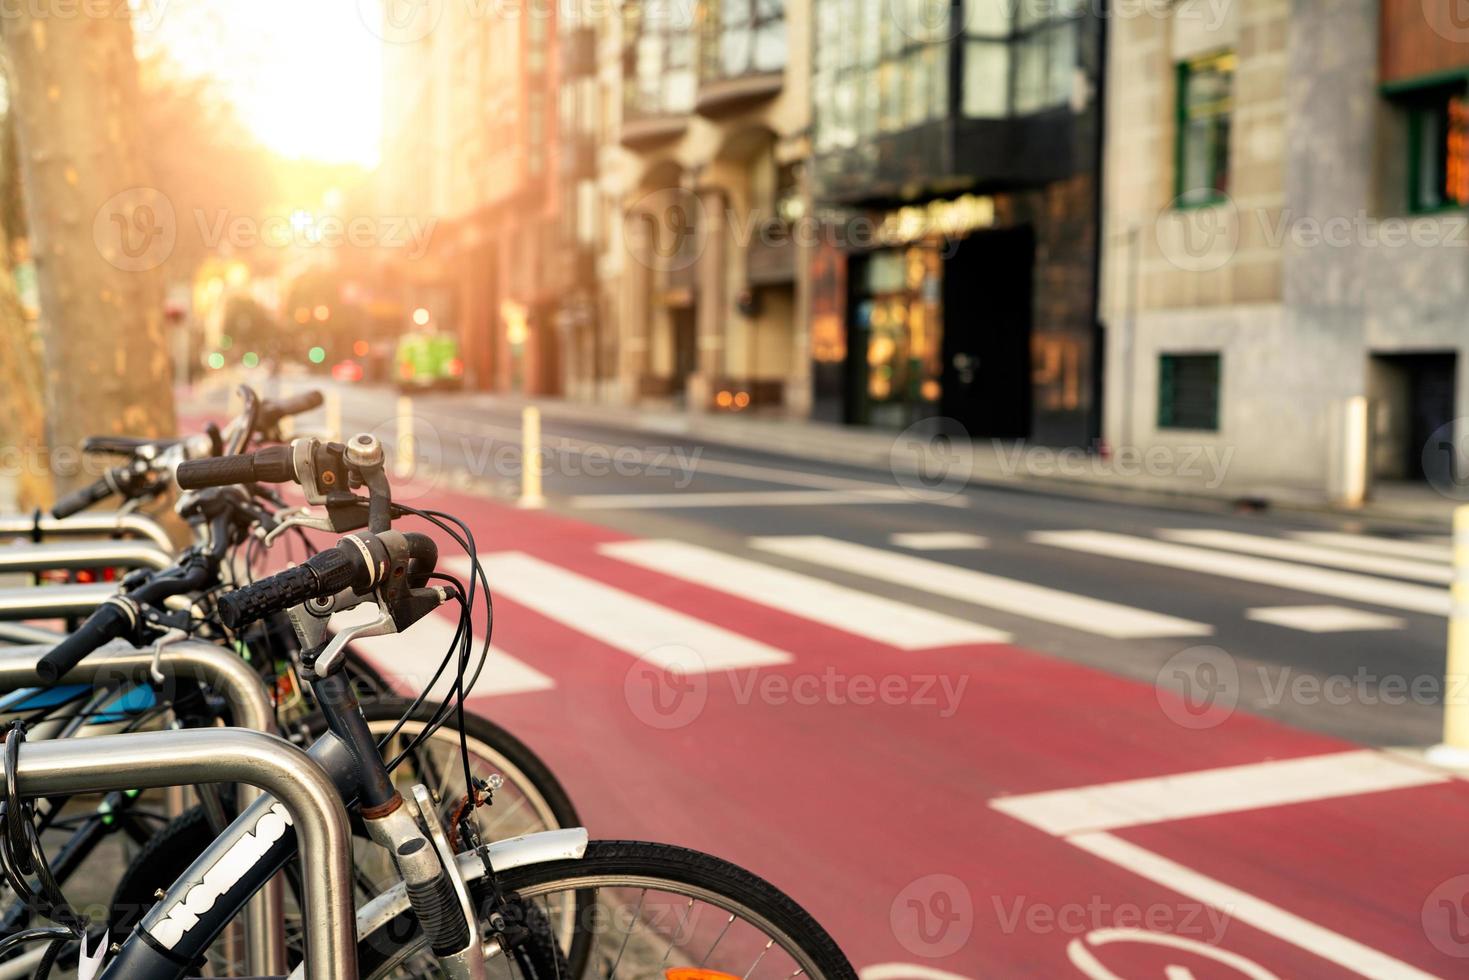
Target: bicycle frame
[[250, 708], [301, 796]]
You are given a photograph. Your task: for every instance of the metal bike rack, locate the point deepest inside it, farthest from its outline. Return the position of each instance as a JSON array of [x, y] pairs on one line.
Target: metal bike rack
[[45, 601], [86, 524], [250, 707], [206, 755], [68, 555]]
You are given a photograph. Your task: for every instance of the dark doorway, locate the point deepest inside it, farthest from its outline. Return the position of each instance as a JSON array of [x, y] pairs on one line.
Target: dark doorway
[[1413, 397], [987, 323], [685, 347]]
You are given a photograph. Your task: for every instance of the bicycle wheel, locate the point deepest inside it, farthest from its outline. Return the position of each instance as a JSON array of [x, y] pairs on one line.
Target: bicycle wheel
[[656, 911]]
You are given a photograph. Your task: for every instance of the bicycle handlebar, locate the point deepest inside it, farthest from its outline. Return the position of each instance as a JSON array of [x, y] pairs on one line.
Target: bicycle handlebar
[[323, 574], [273, 464], [271, 412], [79, 500], [110, 621]]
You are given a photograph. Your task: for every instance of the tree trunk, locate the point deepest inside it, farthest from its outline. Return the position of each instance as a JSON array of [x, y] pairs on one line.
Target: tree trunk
[[98, 229]]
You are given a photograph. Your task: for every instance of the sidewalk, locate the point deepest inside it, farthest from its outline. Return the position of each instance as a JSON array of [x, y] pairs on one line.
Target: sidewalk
[[1194, 479]]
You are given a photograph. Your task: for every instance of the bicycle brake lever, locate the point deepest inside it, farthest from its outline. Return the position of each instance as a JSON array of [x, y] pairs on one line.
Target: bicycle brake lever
[[325, 661], [301, 517]]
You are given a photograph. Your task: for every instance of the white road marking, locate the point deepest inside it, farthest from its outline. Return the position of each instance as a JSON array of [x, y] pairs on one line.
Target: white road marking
[[654, 633], [1243, 907], [874, 617], [1209, 792], [414, 655], [752, 498], [1397, 548], [1265, 571], [1020, 598], [938, 540], [1314, 554], [1324, 619]]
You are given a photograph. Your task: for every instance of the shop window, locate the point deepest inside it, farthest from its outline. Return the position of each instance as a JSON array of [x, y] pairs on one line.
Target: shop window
[[1188, 392], [1205, 107], [1437, 146]]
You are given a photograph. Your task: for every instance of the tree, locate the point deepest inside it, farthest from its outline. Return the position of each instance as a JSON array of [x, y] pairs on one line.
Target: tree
[[99, 229]]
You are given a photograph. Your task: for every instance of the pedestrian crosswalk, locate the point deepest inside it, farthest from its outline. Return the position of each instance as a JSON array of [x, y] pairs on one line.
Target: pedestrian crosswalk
[[650, 599]]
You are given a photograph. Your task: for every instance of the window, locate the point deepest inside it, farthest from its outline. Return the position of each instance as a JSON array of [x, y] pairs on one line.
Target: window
[[1188, 392], [661, 59], [1205, 103], [1019, 59], [1438, 147], [742, 37]]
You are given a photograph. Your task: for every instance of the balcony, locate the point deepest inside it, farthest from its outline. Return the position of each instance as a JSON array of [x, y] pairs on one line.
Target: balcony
[[648, 132], [722, 96]]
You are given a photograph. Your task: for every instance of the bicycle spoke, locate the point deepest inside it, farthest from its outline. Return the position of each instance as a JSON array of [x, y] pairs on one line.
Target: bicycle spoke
[[717, 939], [768, 944], [688, 913], [632, 924]]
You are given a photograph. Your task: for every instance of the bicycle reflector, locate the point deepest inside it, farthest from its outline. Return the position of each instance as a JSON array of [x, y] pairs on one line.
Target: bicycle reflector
[[696, 973]]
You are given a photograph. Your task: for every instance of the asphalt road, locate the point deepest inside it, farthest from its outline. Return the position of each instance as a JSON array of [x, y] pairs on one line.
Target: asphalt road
[[1377, 686]]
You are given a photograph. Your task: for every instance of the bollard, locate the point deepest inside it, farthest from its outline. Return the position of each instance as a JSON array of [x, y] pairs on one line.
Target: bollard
[[403, 467], [1454, 750], [530, 459], [333, 406]]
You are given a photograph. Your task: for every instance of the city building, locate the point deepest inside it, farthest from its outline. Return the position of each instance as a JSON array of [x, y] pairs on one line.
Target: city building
[[954, 171], [469, 140], [1299, 304], [712, 126]]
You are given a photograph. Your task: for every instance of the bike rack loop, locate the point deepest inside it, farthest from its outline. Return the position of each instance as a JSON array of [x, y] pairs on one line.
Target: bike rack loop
[[84, 554], [201, 755], [251, 708], [87, 523]]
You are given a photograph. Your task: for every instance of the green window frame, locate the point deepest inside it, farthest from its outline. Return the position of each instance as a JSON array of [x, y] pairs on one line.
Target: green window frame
[[1201, 140], [1188, 392], [1437, 116]]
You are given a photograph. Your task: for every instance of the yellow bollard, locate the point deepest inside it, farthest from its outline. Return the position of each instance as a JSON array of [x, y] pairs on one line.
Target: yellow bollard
[[333, 406], [407, 449], [1455, 747], [530, 459]]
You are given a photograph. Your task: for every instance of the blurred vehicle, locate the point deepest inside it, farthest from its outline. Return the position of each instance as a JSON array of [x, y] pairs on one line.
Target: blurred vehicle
[[348, 370], [429, 360]]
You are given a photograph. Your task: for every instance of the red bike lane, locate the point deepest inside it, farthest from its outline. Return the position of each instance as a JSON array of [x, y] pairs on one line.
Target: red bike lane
[[868, 782]]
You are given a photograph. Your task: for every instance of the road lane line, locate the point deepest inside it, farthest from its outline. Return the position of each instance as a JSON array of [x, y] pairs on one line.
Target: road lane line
[[619, 619], [1438, 573], [1210, 792], [414, 655], [1324, 619], [938, 540], [752, 498], [1398, 548], [1247, 568], [1244, 907], [874, 617], [1009, 595]]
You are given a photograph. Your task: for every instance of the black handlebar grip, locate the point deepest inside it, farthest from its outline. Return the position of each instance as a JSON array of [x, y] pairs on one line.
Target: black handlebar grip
[[216, 471], [323, 574], [108, 622], [80, 500], [275, 464], [275, 410]]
